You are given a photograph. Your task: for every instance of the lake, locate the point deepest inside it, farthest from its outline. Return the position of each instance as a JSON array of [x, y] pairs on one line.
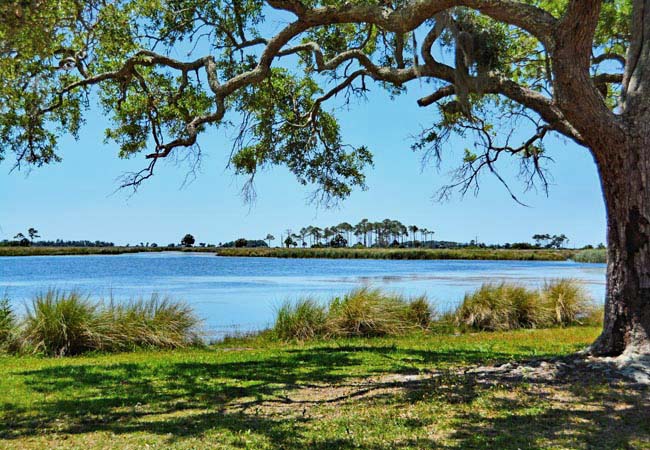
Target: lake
[[242, 294]]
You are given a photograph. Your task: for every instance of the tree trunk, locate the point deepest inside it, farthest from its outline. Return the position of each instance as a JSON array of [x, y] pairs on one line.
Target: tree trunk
[[626, 187]]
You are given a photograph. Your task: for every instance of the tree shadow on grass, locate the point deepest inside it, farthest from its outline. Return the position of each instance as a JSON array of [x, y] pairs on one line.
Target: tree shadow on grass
[[266, 394]]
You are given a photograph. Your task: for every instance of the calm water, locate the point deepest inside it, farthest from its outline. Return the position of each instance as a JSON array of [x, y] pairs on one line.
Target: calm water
[[240, 294]]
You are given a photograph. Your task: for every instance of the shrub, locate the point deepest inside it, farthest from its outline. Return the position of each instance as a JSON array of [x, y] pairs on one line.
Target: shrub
[[60, 324], [567, 301], [368, 312], [501, 307], [304, 319]]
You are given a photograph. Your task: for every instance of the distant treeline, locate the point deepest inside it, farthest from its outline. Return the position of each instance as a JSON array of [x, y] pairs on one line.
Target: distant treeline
[[249, 243], [58, 243], [390, 233]]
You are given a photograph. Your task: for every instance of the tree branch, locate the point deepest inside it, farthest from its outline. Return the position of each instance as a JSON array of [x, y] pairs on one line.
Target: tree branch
[[406, 18]]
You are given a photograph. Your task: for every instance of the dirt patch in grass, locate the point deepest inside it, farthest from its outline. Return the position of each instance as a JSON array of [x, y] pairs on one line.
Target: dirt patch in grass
[[562, 381]]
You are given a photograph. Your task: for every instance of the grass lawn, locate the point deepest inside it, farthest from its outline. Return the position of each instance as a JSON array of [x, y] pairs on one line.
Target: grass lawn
[[421, 391]]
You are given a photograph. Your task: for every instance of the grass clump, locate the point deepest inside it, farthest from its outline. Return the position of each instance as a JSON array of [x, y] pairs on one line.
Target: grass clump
[[153, 323], [506, 306], [363, 312], [500, 307], [567, 302], [420, 312], [368, 312], [302, 320], [59, 324]]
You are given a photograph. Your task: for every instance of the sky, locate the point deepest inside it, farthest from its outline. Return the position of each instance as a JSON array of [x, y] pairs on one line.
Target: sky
[[77, 198]]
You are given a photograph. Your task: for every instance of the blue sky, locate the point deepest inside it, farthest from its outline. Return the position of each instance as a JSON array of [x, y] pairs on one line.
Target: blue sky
[[76, 198]]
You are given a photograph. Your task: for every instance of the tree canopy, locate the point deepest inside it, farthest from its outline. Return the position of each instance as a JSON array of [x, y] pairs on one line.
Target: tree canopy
[[57, 58]]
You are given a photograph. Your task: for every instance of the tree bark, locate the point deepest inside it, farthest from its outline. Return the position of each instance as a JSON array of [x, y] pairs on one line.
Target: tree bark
[[626, 186]]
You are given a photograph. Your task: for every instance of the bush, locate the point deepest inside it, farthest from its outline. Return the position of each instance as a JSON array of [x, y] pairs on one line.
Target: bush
[[302, 320], [59, 324]]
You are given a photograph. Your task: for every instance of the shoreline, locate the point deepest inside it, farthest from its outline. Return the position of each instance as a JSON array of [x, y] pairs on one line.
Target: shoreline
[[72, 251], [402, 253], [326, 253]]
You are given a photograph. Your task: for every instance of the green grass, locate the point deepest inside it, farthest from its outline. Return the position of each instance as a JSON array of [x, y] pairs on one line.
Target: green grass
[[400, 253], [413, 391]]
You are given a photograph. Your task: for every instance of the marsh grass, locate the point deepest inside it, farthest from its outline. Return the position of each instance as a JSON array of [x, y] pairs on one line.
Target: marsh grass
[[369, 313], [595, 255], [507, 306], [420, 312], [56, 251], [500, 307], [401, 253], [302, 320], [363, 312], [567, 301], [59, 324], [8, 326], [157, 322]]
